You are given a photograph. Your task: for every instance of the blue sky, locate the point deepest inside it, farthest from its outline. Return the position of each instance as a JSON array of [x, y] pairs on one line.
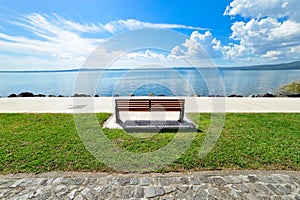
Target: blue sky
[[39, 34]]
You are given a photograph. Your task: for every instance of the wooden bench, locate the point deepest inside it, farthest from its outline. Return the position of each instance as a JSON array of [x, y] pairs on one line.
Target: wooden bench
[[149, 105]]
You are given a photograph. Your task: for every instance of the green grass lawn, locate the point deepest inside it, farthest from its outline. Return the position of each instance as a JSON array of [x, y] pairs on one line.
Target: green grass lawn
[[49, 142]]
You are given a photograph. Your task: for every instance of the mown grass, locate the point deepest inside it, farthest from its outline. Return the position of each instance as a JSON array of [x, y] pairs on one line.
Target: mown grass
[[49, 142]]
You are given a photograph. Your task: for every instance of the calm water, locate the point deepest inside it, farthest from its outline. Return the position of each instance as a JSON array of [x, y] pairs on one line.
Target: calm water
[[179, 82]]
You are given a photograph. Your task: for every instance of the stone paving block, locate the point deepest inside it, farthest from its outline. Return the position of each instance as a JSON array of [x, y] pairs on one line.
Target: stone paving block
[[195, 188], [243, 188], [27, 195], [212, 190], [46, 181], [16, 183], [86, 192], [124, 181], [106, 191], [165, 181], [58, 188], [232, 180], [274, 189], [202, 194], [182, 188], [253, 178], [91, 181], [2, 181], [72, 194], [179, 194], [194, 181], [6, 183], [134, 181], [114, 181], [127, 192], [285, 178], [222, 193], [277, 178], [169, 189], [189, 195], [296, 180], [57, 181], [144, 181], [278, 198], [205, 179], [218, 180], [79, 197], [184, 181], [252, 196], [39, 181], [267, 179], [25, 182], [60, 191], [159, 191], [3, 192], [284, 190], [210, 197], [98, 188], [100, 181], [244, 178], [139, 193], [149, 192], [261, 189], [116, 193], [234, 194], [46, 194]]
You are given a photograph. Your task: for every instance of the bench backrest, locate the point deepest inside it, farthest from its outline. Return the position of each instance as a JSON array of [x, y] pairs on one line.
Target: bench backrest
[[149, 105]]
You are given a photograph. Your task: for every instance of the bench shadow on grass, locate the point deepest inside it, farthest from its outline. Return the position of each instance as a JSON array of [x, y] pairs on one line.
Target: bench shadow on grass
[[158, 126]]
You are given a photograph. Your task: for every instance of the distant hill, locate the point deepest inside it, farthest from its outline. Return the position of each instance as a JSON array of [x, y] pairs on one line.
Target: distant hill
[[283, 66]]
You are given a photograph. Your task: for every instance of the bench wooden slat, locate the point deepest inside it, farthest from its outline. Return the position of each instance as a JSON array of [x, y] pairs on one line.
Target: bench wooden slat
[[126, 104], [134, 109], [161, 105], [130, 105], [165, 109], [149, 105]]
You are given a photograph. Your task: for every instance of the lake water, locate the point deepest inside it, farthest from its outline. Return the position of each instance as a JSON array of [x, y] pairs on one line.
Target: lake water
[[170, 82]]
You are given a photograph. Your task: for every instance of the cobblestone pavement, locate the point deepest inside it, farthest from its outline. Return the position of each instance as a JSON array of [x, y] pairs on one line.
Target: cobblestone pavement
[[196, 185]]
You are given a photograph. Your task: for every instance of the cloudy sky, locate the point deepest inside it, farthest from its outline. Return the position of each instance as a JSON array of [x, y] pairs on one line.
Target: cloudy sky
[[40, 34]]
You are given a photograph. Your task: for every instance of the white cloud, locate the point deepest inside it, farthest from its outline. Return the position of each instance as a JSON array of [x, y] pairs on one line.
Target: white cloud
[[265, 8], [51, 42], [271, 30], [141, 58], [263, 38], [131, 24], [111, 27], [144, 55], [273, 55], [52, 37], [75, 26], [197, 46]]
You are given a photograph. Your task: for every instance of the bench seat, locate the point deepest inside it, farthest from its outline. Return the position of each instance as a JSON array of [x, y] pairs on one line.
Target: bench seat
[[149, 105]]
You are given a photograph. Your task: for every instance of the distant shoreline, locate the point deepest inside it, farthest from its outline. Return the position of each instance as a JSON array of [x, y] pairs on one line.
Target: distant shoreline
[[204, 68], [283, 66], [30, 94]]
